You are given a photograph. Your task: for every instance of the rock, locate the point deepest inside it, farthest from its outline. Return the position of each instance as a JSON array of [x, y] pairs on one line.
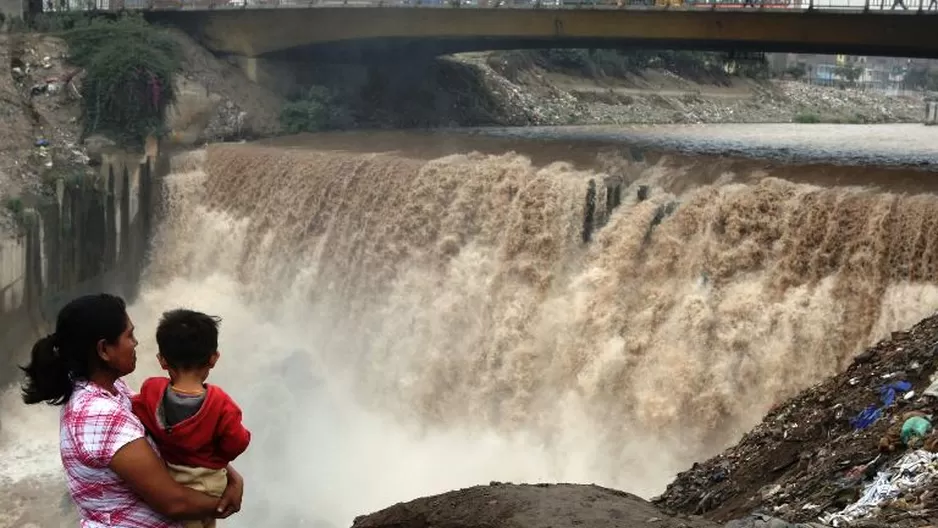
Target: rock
[[528, 506]]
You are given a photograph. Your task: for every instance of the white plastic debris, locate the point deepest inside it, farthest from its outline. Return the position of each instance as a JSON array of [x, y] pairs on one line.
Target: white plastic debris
[[912, 471], [932, 389]]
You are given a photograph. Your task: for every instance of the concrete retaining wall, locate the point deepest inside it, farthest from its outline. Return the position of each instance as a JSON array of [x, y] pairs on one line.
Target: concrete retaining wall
[[92, 237]]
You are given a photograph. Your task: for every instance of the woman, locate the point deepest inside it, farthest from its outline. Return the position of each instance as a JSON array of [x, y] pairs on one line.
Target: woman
[[114, 473]]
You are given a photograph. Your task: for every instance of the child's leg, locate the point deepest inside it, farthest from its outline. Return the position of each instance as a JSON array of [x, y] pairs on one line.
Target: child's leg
[[210, 481]]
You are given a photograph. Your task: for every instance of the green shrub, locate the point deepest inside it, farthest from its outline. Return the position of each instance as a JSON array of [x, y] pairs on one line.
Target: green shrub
[[15, 206], [316, 110], [129, 67], [54, 22], [807, 118]]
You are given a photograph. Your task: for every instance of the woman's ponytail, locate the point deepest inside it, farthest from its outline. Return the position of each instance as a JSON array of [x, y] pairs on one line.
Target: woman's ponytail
[[71, 353], [47, 374]]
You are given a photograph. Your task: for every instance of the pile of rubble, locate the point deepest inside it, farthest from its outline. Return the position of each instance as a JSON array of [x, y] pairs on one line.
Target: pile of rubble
[[855, 450], [529, 96], [771, 102], [865, 105]]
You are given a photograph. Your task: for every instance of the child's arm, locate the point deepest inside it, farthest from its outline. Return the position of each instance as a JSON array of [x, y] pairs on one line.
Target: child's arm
[[233, 437]]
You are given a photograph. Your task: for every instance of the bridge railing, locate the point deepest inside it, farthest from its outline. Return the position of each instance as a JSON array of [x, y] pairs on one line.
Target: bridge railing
[[906, 6]]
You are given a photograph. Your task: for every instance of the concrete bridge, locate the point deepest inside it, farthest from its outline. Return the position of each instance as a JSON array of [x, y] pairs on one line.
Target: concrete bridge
[[433, 30]]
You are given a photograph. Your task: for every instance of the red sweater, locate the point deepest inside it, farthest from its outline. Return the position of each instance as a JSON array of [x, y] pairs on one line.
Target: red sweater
[[211, 438]]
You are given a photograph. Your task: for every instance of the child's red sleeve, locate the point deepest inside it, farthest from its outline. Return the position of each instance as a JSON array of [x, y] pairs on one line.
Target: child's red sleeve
[[233, 437]]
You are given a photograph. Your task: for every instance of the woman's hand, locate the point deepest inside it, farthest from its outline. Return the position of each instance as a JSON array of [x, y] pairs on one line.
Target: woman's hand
[[230, 502]]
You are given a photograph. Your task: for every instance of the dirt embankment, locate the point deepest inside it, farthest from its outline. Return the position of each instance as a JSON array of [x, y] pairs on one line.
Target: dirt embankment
[[215, 101], [40, 112]]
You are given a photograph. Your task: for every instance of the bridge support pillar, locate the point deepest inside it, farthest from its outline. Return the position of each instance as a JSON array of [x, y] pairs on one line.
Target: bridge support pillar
[[931, 112], [276, 75]]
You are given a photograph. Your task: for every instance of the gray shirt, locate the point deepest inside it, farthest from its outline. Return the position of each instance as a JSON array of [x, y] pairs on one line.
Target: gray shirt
[[178, 407]]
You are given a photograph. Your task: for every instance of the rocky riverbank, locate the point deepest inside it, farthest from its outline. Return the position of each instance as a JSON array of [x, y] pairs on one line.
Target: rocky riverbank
[[541, 95]]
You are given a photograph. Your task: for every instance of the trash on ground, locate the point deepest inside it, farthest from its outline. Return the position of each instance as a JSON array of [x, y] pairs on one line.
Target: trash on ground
[[914, 430], [911, 472]]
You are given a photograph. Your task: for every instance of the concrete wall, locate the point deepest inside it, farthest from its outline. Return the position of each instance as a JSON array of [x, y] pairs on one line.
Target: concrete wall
[[92, 237], [12, 8]]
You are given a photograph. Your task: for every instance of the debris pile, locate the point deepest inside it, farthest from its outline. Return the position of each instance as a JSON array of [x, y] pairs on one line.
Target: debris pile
[[857, 448]]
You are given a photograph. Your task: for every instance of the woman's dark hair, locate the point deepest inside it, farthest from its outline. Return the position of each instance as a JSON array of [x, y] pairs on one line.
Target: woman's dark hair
[[71, 353]]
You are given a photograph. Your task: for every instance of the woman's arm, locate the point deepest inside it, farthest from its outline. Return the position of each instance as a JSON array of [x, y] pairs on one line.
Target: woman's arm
[[138, 466]]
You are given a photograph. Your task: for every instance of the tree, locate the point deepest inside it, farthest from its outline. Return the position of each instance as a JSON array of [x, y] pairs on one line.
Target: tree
[[129, 67], [851, 74]]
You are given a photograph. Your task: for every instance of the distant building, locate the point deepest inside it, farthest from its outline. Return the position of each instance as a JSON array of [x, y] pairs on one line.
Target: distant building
[[883, 74]]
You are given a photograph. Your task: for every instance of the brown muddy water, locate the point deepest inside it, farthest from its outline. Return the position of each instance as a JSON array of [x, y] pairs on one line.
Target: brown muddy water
[[407, 313]]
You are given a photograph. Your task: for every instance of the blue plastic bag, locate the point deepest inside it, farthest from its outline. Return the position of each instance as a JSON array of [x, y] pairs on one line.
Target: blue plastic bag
[[867, 417]]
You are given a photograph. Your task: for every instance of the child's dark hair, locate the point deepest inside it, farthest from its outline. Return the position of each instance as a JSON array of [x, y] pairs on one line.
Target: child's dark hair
[[71, 352], [187, 339]]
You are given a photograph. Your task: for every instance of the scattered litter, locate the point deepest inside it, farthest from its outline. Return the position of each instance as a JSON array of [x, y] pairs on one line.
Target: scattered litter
[[888, 393], [932, 389], [868, 416], [911, 472]]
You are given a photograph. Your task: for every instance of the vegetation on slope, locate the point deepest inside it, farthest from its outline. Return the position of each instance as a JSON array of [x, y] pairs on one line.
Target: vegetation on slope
[[315, 110], [129, 67]]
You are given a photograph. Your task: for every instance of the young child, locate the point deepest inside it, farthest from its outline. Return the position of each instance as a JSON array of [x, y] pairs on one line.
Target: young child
[[196, 426]]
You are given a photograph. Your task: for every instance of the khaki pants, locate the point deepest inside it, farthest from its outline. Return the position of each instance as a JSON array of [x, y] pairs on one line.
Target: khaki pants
[[210, 481]]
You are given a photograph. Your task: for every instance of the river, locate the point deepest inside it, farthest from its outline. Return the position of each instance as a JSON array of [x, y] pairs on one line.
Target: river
[[405, 312]]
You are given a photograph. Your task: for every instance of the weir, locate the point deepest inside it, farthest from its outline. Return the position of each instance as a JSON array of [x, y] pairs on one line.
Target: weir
[[91, 236], [94, 236]]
